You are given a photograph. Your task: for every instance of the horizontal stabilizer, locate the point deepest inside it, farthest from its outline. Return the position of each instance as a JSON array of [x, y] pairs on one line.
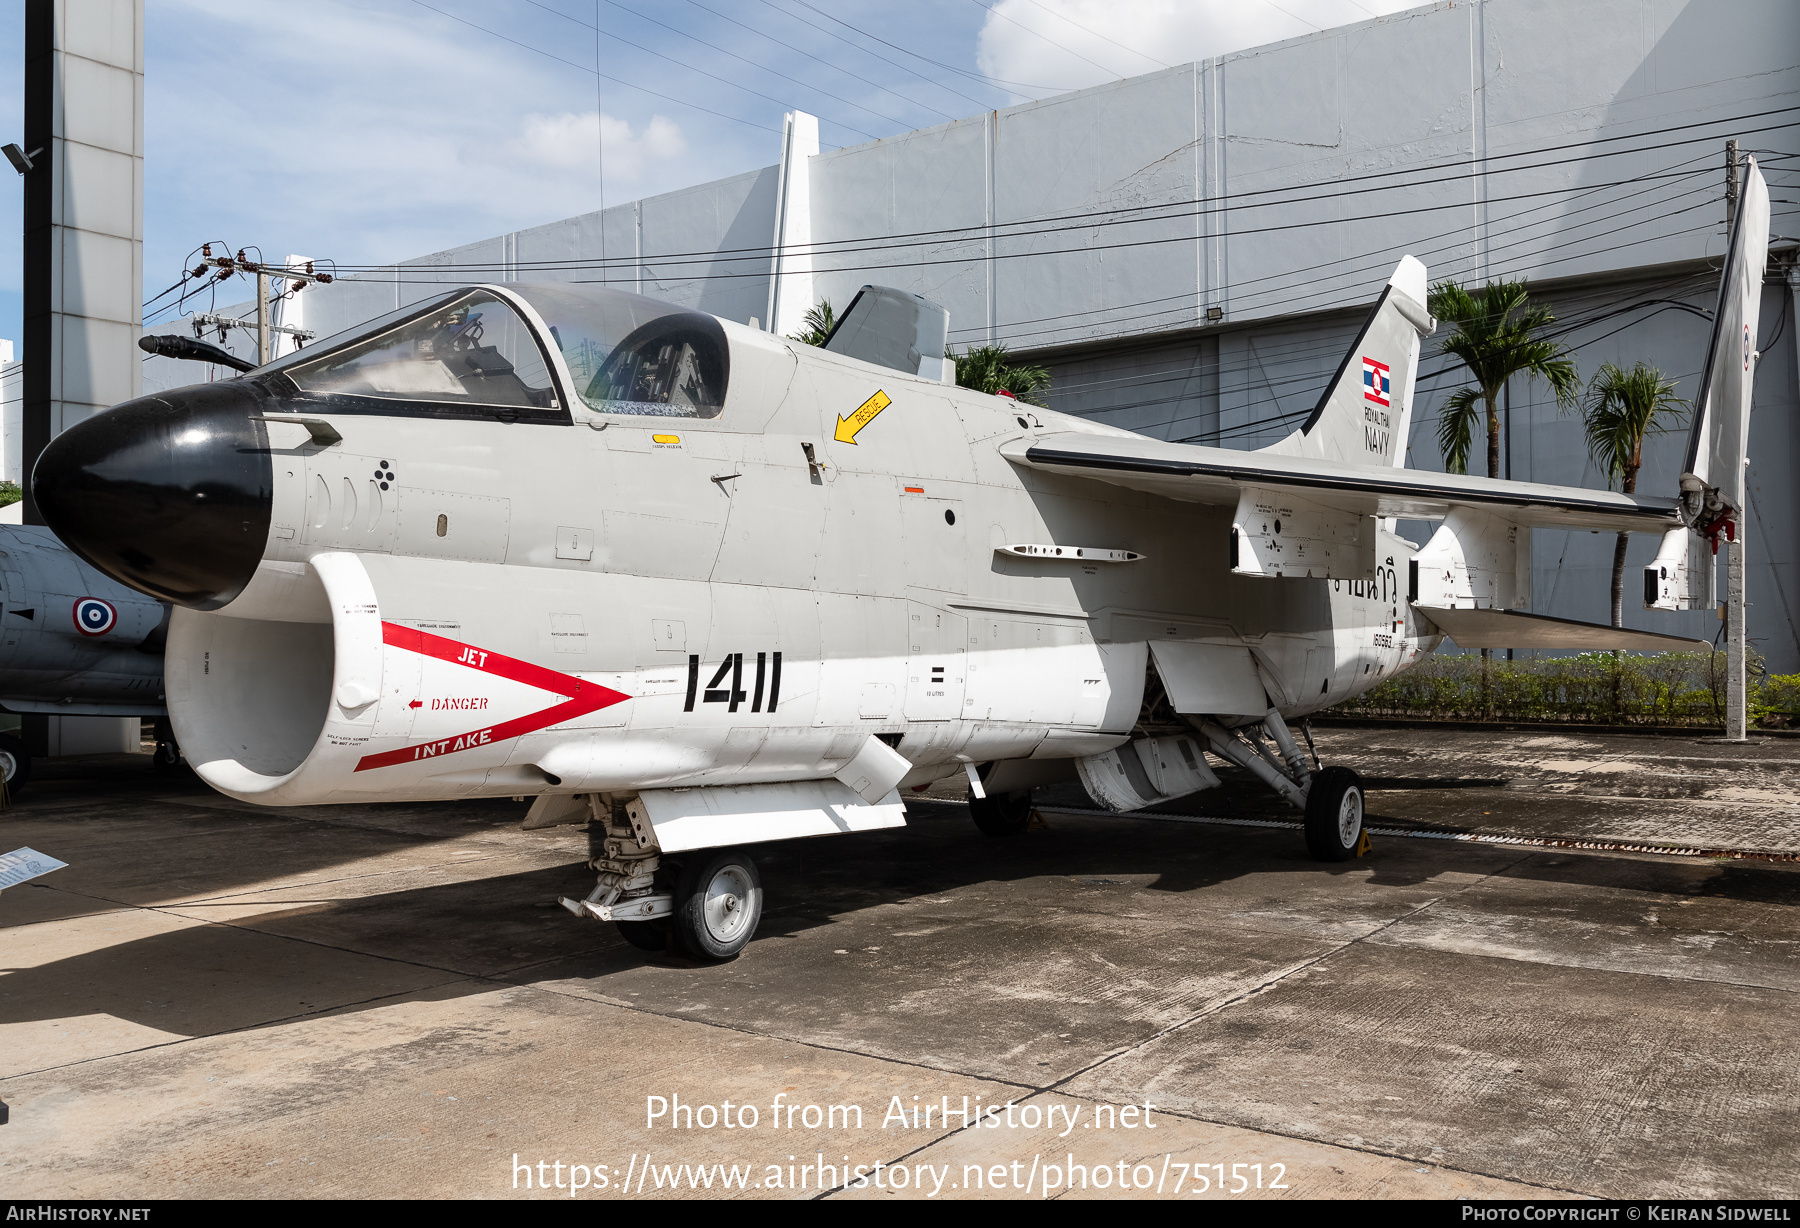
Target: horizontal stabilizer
[[1518, 629]]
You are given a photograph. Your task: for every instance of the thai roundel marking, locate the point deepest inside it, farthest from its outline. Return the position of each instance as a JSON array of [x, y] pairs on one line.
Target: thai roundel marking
[[94, 616]]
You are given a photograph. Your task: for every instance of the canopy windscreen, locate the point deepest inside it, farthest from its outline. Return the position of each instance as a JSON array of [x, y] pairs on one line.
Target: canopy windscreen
[[629, 354]]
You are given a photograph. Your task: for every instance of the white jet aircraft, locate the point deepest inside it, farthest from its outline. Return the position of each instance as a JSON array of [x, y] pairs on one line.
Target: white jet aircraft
[[706, 587]]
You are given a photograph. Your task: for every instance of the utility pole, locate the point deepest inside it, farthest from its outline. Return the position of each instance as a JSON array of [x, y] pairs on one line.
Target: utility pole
[[1736, 698], [228, 265], [224, 323], [1731, 183]]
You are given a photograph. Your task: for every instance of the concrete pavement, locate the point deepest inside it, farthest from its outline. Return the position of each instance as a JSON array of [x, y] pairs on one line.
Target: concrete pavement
[[221, 1000]]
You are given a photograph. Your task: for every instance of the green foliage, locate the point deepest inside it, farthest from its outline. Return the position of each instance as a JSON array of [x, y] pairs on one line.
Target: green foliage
[[1457, 417], [988, 368], [1775, 700], [1624, 408], [1673, 688], [10, 493], [817, 324], [1495, 338]]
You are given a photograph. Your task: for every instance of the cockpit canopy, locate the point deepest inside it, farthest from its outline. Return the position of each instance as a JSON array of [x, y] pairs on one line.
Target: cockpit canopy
[[473, 353]]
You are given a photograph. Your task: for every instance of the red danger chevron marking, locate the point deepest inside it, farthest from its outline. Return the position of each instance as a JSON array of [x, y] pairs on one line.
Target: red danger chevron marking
[[583, 697]]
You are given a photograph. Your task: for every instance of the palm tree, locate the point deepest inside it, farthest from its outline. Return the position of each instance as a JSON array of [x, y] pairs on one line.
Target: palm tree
[[989, 368], [1623, 409], [816, 324], [1495, 338]]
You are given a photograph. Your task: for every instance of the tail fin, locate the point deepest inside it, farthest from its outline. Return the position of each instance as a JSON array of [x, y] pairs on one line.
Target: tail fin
[[1363, 417], [1712, 481]]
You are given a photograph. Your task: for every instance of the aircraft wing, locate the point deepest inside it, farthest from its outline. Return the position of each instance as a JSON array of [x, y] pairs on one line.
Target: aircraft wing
[[1198, 474]]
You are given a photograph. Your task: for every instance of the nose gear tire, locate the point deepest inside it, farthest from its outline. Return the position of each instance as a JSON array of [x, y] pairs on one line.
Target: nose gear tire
[[1005, 814], [645, 935], [1334, 814], [718, 905]]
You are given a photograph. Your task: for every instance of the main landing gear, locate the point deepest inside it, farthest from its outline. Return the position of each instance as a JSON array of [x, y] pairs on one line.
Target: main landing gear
[[1001, 814], [1330, 798], [15, 765], [167, 755], [706, 904]]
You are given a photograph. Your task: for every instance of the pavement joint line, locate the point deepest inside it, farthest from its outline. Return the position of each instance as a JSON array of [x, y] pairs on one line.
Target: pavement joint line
[[499, 979], [1030, 1090], [1259, 989], [1466, 837], [248, 1027], [1254, 991], [323, 882], [324, 818]]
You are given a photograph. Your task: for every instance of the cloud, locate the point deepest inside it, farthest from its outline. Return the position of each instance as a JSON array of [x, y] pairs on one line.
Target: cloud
[[1047, 46], [366, 133], [568, 141]]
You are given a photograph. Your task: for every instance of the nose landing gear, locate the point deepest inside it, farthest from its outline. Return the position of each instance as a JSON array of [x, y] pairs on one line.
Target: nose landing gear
[[718, 903], [710, 912]]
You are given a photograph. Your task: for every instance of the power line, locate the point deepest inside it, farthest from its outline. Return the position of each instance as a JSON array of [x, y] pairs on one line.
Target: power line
[[1064, 17], [993, 11], [1237, 287], [978, 78], [1263, 305], [815, 59], [1309, 353], [619, 38], [1257, 425], [765, 68], [682, 102], [1084, 220], [1137, 243], [875, 54]]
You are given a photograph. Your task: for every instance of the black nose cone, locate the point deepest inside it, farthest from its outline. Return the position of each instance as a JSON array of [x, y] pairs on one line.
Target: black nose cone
[[169, 493]]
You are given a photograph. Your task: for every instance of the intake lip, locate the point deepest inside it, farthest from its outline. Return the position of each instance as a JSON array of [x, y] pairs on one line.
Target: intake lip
[[170, 494]]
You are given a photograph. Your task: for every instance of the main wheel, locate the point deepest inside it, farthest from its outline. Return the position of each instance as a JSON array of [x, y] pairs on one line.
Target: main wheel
[[15, 765], [1334, 814], [1004, 814], [718, 903]]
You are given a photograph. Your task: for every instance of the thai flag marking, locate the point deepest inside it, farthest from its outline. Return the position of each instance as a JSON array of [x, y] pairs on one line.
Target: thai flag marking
[[1375, 382]]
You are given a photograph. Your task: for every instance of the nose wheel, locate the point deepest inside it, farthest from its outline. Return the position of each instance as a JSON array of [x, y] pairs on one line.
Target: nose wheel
[[718, 905]]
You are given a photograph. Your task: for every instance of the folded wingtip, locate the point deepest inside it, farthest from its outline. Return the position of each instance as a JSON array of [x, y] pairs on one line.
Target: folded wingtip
[[1409, 278]]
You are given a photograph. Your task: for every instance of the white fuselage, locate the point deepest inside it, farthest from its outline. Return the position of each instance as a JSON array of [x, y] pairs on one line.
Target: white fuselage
[[637, 602]]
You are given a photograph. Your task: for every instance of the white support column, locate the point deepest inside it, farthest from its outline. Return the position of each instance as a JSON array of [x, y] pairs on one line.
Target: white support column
[[84, 224], [1736, 714], [791, 266]]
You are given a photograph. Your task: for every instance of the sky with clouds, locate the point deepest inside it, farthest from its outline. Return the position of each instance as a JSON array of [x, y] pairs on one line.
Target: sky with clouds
[[375, 130]]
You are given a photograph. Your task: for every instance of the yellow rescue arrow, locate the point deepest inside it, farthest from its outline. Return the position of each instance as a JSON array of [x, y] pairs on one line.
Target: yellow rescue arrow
[[865, 414]]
